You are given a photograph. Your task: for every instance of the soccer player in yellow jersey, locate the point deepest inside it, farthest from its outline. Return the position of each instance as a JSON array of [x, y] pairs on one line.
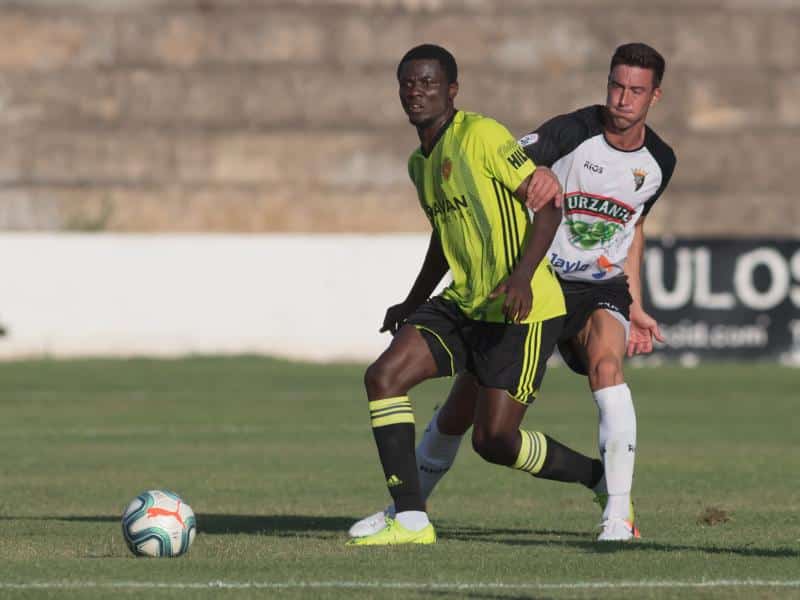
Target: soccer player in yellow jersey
[[613, 168], [500, 317]]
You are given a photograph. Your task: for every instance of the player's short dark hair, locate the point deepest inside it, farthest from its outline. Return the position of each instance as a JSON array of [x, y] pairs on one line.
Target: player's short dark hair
[[432, 52], [641, 55]]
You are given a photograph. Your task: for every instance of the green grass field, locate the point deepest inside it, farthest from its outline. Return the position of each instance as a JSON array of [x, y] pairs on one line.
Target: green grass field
[[277, 459]]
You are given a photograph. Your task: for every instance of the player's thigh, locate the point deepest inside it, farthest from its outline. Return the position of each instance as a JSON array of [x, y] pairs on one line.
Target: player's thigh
[[441, 325], [583, 299], [406, 362], [513, 357], [457, 413]]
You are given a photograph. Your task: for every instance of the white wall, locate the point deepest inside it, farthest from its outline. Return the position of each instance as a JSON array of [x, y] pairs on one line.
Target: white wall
[[319, 297]]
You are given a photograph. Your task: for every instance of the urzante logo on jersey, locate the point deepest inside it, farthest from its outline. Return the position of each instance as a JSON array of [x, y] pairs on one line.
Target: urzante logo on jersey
[[607, 217]]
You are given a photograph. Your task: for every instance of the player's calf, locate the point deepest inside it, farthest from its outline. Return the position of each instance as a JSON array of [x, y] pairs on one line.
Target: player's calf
[[545, 458], [617, 440], [498, 447]]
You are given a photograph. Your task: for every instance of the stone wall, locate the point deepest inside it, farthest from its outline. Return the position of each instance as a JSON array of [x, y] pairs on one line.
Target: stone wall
[[271, 115]]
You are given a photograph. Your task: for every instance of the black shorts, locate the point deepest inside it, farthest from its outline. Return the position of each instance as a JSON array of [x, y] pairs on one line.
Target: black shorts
[[582, 299], [508, 356]]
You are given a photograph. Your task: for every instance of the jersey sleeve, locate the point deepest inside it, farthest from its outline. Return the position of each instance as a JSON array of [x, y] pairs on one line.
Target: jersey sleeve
[[503, 157], [555, 138], [665, 157]]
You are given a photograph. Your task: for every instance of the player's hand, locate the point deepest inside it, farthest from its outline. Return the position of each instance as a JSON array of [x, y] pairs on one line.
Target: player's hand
[[519, 298], [543, 188], [644, 329], [395, 317]]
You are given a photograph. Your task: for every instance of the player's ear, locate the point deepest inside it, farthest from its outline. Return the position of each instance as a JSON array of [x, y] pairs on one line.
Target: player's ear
[[452, 90], [656, 96]]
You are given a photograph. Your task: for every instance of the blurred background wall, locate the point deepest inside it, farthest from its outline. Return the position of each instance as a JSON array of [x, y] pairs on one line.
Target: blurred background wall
[[282, 116]]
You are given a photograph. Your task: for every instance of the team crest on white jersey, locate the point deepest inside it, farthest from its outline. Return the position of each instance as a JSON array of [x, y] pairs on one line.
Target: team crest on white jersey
[[638, 178]]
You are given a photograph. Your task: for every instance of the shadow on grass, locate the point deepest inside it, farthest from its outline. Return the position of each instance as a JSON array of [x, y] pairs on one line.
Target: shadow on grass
[[216, 524], [458, 532], [272, 524], [589, 545], [335, 526]]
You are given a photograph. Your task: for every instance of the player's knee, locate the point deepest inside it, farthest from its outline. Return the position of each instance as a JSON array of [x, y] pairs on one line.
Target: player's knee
[[379, 380], [605, 372], [494, 446]]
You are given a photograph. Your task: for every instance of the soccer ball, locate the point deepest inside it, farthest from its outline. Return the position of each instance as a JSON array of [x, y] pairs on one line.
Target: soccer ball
[[158, 523]]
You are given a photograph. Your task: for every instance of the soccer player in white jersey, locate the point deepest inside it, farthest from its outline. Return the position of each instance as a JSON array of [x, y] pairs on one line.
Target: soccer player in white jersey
[[612, 168]]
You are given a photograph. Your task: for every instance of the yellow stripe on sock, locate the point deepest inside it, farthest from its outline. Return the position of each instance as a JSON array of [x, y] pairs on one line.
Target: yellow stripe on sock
[[532, 452], [387, 402], [524, 451], [393, 420], [391, 411]]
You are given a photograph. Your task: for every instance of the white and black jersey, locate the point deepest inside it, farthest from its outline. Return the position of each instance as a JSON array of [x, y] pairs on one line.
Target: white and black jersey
[[606, 190]]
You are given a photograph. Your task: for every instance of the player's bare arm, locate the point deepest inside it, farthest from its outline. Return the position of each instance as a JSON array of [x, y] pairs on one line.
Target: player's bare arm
[[643, 327], [434, 267], [517, 286], [544, 187]]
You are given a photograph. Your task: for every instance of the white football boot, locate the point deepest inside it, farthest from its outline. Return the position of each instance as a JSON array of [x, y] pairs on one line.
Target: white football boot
[[617, 530], [371, 524]]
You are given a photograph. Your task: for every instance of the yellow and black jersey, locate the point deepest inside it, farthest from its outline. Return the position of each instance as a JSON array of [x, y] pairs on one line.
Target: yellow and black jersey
[[465, 187]]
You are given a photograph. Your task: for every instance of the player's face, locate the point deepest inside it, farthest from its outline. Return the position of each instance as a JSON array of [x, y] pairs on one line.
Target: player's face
[[426, 96], [630, 95]]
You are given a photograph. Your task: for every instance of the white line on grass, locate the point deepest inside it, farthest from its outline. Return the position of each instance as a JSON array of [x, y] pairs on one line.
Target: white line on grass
[[239, 585]]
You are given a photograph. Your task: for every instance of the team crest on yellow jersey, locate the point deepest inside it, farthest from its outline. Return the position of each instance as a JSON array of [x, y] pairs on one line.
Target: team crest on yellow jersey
[[638, 178], [447, 168]]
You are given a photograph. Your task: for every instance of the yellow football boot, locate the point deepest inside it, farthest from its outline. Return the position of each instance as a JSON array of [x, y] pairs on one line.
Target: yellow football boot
[[394, 533]]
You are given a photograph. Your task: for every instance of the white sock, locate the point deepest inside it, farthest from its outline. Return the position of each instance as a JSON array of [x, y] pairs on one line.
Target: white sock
[[436, 453], [617, 441], [601, 487], [413, 520]]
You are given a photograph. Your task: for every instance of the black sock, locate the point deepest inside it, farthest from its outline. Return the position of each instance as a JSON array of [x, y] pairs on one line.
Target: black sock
[[564, 464], [393, 428]]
